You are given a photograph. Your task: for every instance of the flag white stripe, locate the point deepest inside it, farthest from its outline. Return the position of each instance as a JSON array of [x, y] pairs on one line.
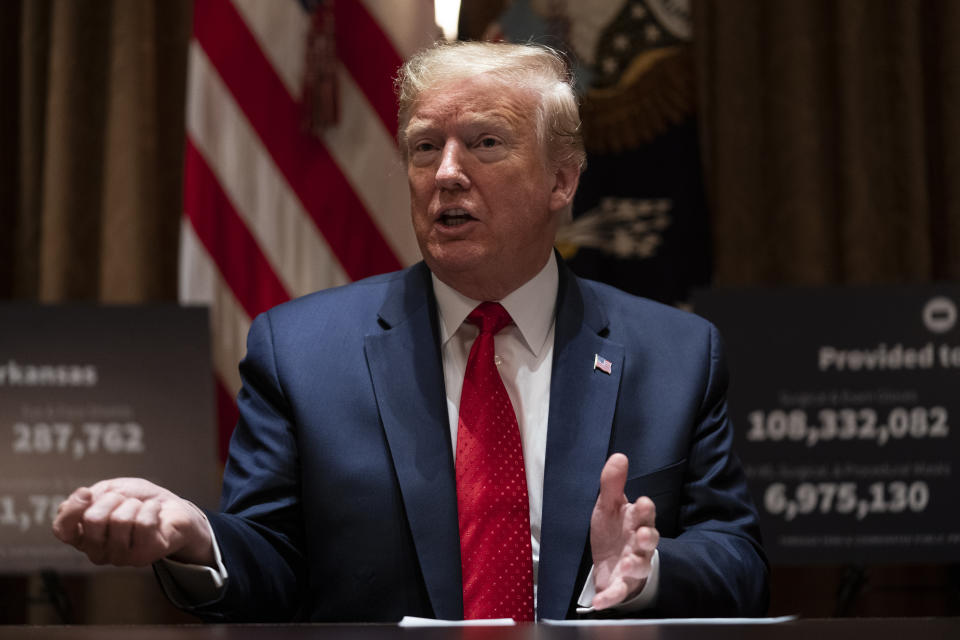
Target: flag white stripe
[[403, 21], [202, 283], [290, 241], [280, 28]]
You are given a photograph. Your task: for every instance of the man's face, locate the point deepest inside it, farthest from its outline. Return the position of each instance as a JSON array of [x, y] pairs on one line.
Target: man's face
[[484, 198]]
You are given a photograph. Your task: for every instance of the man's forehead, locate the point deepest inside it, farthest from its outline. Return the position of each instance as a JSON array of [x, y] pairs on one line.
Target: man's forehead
[[473, 101]]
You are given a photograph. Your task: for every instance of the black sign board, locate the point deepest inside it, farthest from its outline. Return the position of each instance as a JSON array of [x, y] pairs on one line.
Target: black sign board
[[88, 393], [844, 402]]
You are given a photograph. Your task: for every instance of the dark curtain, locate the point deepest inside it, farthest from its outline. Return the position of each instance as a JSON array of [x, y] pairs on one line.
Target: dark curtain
[[831, 132], [93, 132]]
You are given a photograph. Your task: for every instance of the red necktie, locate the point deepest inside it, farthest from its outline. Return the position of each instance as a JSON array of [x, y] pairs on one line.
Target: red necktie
[[492, 502]]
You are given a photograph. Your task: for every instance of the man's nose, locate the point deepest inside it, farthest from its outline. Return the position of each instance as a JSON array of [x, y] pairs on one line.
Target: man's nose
[[450, 173]]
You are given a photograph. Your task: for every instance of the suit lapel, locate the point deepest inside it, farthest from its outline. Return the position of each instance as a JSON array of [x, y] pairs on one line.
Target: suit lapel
[[407, 373], [582, 404]]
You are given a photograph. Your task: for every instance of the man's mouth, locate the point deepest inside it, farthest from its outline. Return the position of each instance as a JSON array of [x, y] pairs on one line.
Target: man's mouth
[[454, 218]]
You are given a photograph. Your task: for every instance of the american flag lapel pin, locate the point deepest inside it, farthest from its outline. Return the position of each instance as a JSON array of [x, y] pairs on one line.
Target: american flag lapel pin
[[599, 362]]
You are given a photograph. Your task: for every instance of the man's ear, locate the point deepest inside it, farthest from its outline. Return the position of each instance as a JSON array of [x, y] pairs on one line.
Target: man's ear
[[566, 179]]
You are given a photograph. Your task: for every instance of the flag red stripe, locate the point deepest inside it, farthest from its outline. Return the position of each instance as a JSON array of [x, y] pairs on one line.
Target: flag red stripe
[[227, 416], [306, 164], [227, 239], [370, 58]]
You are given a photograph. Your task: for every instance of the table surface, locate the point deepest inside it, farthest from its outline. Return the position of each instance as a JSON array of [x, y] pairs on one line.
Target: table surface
[[820, 629]]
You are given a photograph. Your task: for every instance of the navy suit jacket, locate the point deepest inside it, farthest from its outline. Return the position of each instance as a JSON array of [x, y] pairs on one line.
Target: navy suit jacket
[[339, 497]]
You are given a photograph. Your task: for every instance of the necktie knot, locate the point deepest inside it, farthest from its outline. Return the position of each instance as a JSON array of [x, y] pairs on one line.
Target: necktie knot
[[491, 317]]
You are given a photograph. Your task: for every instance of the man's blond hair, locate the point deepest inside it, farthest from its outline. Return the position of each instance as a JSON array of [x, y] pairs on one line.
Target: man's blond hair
[[535, 67]]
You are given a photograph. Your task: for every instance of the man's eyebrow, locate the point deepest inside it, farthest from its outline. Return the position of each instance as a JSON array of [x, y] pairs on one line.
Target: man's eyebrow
[[419, 127], [487, 119]]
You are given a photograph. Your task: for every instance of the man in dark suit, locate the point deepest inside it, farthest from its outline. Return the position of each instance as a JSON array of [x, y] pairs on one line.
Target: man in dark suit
[[348, 492]]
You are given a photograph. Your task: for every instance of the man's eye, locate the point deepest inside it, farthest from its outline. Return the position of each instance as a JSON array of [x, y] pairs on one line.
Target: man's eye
[[423, 146], [488, 142]]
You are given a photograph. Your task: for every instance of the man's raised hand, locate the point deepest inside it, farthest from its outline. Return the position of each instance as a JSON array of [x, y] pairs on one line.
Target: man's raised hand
[[133, 522], [622, 537]]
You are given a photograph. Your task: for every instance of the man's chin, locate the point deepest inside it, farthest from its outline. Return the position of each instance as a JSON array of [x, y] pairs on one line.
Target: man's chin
[[463, 257], [464, 271], [457, 266]]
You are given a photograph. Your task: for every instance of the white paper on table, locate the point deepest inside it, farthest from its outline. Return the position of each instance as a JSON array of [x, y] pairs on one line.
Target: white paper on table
[[412, 621], [660, 621]]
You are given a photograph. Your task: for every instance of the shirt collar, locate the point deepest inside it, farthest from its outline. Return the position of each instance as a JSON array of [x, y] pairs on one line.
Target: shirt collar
[[531, 306]]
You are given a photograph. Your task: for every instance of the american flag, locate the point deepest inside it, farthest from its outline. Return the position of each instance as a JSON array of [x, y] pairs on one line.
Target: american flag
[[271, 211], [599, 362]]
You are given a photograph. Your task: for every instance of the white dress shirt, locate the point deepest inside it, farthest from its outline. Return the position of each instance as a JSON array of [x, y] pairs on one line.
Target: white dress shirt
[[524, 357]]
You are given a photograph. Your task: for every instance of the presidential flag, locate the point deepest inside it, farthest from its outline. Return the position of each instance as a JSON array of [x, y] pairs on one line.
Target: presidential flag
[[293, 181], [640, 216]]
